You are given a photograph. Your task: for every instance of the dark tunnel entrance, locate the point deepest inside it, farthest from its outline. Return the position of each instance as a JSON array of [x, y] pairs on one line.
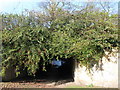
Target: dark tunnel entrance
[[58, 70]]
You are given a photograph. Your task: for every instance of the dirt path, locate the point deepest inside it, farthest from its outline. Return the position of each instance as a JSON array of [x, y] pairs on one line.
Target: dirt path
[[39, 83], [34, 85], [25, 85]]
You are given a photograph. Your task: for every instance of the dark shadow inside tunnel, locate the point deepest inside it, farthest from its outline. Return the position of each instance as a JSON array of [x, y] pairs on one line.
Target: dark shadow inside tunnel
[[58, 70]]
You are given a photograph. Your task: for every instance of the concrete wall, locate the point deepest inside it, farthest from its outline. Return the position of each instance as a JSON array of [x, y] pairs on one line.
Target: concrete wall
[[10, 74], [108, 77]]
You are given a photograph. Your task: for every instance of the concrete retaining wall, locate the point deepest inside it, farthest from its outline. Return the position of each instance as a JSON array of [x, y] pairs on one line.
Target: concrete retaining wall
[[108, 77], [10, 74]]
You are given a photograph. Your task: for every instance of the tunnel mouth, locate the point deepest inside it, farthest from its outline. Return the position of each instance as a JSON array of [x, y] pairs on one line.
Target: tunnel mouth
[[62, 69]]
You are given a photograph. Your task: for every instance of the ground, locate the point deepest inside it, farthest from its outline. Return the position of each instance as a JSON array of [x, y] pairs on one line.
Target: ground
[[42, 83]]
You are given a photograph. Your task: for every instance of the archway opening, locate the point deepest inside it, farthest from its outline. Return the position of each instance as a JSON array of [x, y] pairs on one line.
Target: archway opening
[[57, 70]]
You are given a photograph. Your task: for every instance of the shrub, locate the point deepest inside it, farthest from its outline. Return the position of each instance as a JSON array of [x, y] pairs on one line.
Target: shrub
[[81, 36]]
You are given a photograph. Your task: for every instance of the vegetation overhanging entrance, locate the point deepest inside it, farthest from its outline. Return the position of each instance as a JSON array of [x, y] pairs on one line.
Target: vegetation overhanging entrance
[[32, 40], [58, 70]]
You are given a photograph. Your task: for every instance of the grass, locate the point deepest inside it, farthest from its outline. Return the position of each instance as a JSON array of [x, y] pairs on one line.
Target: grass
[[75, 87], [88, 86]]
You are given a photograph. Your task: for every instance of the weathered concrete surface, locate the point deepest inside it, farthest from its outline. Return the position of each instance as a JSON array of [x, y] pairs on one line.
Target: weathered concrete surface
[[108, 77], [10, 74]]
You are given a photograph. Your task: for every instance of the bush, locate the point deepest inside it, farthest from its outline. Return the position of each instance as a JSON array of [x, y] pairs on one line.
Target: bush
[[81, 36]]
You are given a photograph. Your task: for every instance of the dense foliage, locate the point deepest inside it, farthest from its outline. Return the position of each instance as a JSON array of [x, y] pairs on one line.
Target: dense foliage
[[82, 35]]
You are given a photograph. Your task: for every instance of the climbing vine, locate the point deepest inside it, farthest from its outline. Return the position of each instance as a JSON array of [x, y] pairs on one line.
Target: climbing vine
[[82, 36]]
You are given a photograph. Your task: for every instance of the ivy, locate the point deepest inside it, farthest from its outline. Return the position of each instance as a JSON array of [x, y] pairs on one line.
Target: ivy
[[81, 36]]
